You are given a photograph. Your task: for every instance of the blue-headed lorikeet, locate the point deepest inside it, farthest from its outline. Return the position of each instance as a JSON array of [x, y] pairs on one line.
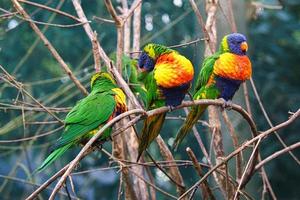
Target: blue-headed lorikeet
[[130, 74], [167, 77], [220, 77], [105, 101]]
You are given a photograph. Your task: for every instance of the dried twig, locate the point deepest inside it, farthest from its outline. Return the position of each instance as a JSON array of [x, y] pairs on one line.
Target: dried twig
[[206, 191], [86, 147], [55, 54], [113, 13], [242, 147], [16, 84], [174, 171], [140, 177], [248, 165], [235, 144], [92, 35], [276, 154], [136, 29], [202, 24], [269, 121], [52, 10]]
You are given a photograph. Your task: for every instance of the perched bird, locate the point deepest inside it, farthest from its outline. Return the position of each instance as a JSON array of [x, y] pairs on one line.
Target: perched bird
[[105, 102], [130, 74], [167, 77], [220, 77]]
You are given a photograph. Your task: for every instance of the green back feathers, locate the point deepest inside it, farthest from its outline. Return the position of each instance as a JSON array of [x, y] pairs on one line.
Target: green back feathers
[[224, 47], [206, 71], [86, 116], [102, 81], [155, 50]]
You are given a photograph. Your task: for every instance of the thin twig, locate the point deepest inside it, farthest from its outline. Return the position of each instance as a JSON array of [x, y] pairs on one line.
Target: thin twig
[[100, 19], [16, 84], [32, 137], [206, 191], [243, 146], [202, 24], [51, 9], [246, 168], [276, 154], [269, 120], [235, 144], [55, 54], [91, 34], [140, 177], [87, 146], [174, 171], [113, 13]]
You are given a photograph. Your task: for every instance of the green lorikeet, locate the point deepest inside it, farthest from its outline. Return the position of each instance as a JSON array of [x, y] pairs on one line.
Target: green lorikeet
[[167, 77], [104, 102], [220, 77], [130, 74]]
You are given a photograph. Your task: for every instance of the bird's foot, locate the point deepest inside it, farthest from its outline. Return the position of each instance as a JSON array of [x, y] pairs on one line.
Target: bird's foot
[[191, 96], [171, 108], [226, 104], [77, 166], [98, 146]]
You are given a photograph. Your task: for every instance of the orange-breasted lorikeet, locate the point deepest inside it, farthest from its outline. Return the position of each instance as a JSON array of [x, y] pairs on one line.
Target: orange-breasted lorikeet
[[167, 77], [220, 77], [105, 101]]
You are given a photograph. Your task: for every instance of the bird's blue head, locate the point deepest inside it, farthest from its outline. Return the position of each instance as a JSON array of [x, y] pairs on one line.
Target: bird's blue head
[[234, 43], [147, 58], [146, 63]]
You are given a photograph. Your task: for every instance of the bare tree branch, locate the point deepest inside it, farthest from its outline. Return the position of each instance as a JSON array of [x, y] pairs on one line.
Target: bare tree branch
[[55, 54]]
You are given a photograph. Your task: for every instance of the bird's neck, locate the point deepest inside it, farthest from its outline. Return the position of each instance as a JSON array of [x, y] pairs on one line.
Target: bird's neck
[[103, 85], [159, 50]]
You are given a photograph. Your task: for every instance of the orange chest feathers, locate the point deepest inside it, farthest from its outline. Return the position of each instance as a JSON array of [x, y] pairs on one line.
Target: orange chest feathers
[[172, 70], [233, 67]]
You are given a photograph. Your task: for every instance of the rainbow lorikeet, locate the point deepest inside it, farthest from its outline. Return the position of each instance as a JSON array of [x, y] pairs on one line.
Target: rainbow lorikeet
[[105, 101], [167, 77], [130, 74], [220, 77]]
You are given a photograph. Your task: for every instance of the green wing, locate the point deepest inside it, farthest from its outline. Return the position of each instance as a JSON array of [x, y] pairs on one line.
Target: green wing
[[152, 92], [206, 71], [152, 125], [202, 91], [86, 116]]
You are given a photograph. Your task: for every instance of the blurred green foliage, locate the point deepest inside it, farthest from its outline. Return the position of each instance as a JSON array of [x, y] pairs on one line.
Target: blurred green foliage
[[274, 38]]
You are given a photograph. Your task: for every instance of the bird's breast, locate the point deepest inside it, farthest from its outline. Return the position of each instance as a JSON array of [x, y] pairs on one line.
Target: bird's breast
[[173, 70], [233, 66]]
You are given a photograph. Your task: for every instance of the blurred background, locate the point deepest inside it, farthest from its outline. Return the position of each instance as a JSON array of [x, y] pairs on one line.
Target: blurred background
[[273, 34]]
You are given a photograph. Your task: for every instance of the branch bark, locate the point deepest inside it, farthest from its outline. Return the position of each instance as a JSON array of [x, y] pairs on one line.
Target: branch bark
[[91, 34]]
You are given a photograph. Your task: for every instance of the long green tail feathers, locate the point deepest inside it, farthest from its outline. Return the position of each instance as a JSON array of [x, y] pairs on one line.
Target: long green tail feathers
[[191, 119], [53, 156], [151, 128]]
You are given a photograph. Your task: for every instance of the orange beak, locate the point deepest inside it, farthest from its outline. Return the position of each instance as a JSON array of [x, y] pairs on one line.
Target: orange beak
[[244, 46]]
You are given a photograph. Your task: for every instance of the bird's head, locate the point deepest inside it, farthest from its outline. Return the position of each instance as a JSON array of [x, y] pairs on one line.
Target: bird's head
[[102, 77], [234, 43], [147, 58]]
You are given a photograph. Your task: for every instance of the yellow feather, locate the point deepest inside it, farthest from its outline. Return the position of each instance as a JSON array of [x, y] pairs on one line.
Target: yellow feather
[[149, 49], [120, 97]]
